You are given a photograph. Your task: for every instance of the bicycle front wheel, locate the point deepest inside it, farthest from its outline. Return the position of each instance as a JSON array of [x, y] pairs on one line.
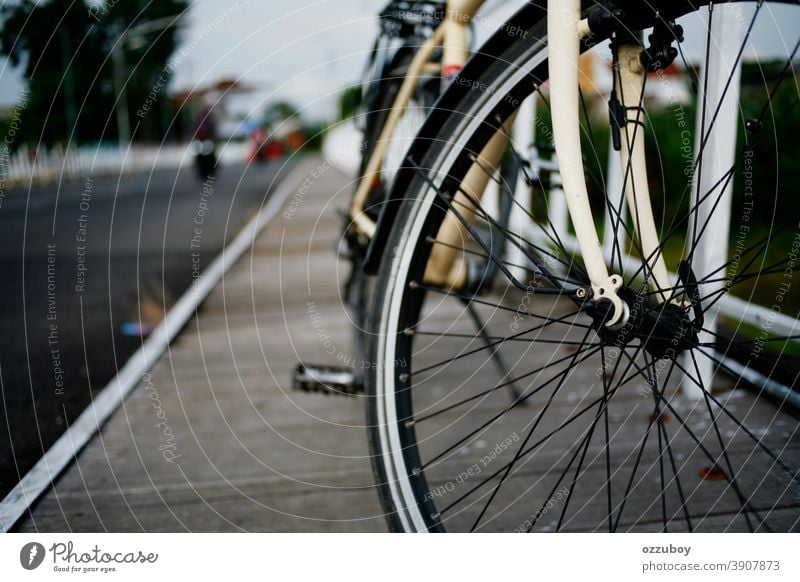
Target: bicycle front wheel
[[598, 432]]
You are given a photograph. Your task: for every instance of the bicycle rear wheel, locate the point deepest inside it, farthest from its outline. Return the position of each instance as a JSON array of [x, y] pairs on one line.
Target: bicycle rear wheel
[[601, 437], [359, 287]]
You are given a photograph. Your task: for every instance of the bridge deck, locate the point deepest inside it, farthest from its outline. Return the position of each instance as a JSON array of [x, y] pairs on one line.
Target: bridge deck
[[214, 439]]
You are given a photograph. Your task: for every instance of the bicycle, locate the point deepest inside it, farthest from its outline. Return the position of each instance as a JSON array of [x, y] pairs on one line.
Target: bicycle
[[598, 343], [404, 76]]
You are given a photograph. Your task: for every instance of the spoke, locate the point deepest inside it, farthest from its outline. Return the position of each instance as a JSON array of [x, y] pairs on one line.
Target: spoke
[[676, 223], [758, 246], [720, 293], [630, 140], [462, 296], [632, 477], [773, 269], [564, 473], [684, 502], [544, 439], [698, 173], [576, 449], [695, 81], [791, 474], [704, 141], [727, 343], [722, 446], [725, 179], [587, 350], [519, 241], [516, 239], [660, 424], [535, 424], [507, 263], [615, 216], [499, 362], [735, 281], [716, 295], [500, 341], [501, 413], [786, 67], [606, 382], [601, 411], [676, 476], [639, 453], [700, 445], [668, 441], [756, 256]]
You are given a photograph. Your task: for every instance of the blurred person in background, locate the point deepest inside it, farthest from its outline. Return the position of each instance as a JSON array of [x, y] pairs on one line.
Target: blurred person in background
[[203, 144]]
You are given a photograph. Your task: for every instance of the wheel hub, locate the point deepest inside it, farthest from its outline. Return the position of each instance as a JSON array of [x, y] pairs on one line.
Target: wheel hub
[[664, 329]]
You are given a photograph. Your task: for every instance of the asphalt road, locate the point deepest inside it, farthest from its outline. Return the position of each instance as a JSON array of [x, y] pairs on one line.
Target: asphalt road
[[83, 265]]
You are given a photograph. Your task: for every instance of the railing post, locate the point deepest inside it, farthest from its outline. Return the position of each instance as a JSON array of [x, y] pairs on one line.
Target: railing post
[[719, 155], [614, 186], [523, 136]]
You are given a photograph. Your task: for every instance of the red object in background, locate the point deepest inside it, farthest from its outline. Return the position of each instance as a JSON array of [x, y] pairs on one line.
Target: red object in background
[[295, 140], [259, 140], [273, 150], [264, 148], [259, 136]]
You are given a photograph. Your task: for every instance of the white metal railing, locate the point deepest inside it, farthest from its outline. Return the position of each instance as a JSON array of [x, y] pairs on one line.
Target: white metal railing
[[30, 165], [37, 165], [711, 250]]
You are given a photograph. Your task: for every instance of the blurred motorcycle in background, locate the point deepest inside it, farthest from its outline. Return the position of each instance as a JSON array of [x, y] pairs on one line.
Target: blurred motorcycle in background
[[203, 145]]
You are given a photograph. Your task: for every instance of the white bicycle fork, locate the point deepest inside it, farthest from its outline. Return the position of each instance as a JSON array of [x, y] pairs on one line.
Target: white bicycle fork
[[564, 32]]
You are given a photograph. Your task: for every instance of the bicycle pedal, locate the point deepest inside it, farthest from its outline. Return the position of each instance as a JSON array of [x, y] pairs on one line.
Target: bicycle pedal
[[337, 380]]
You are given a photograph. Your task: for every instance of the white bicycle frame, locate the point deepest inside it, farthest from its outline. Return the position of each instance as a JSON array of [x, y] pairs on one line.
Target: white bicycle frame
[[452, 36], [565, 29]]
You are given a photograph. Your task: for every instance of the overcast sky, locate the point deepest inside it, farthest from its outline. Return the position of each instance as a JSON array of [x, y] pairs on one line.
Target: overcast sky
[[308, 50], [303, 50]]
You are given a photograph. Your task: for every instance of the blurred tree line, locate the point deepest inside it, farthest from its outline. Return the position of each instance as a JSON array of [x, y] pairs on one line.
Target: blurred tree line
[[349, 102], [65, 49], [774, 168]]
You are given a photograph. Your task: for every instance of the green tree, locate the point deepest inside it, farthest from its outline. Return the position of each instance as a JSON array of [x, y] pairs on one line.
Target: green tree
[[65, 48], [349, 102], [279, 112], [146, 55]]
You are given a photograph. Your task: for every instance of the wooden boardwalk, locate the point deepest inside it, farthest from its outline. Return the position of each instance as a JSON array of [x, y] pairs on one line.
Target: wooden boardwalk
[[214, 439]]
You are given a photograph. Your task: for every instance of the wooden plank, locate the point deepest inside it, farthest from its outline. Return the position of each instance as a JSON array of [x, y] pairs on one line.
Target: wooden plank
[[252, 455], [255, 456]]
